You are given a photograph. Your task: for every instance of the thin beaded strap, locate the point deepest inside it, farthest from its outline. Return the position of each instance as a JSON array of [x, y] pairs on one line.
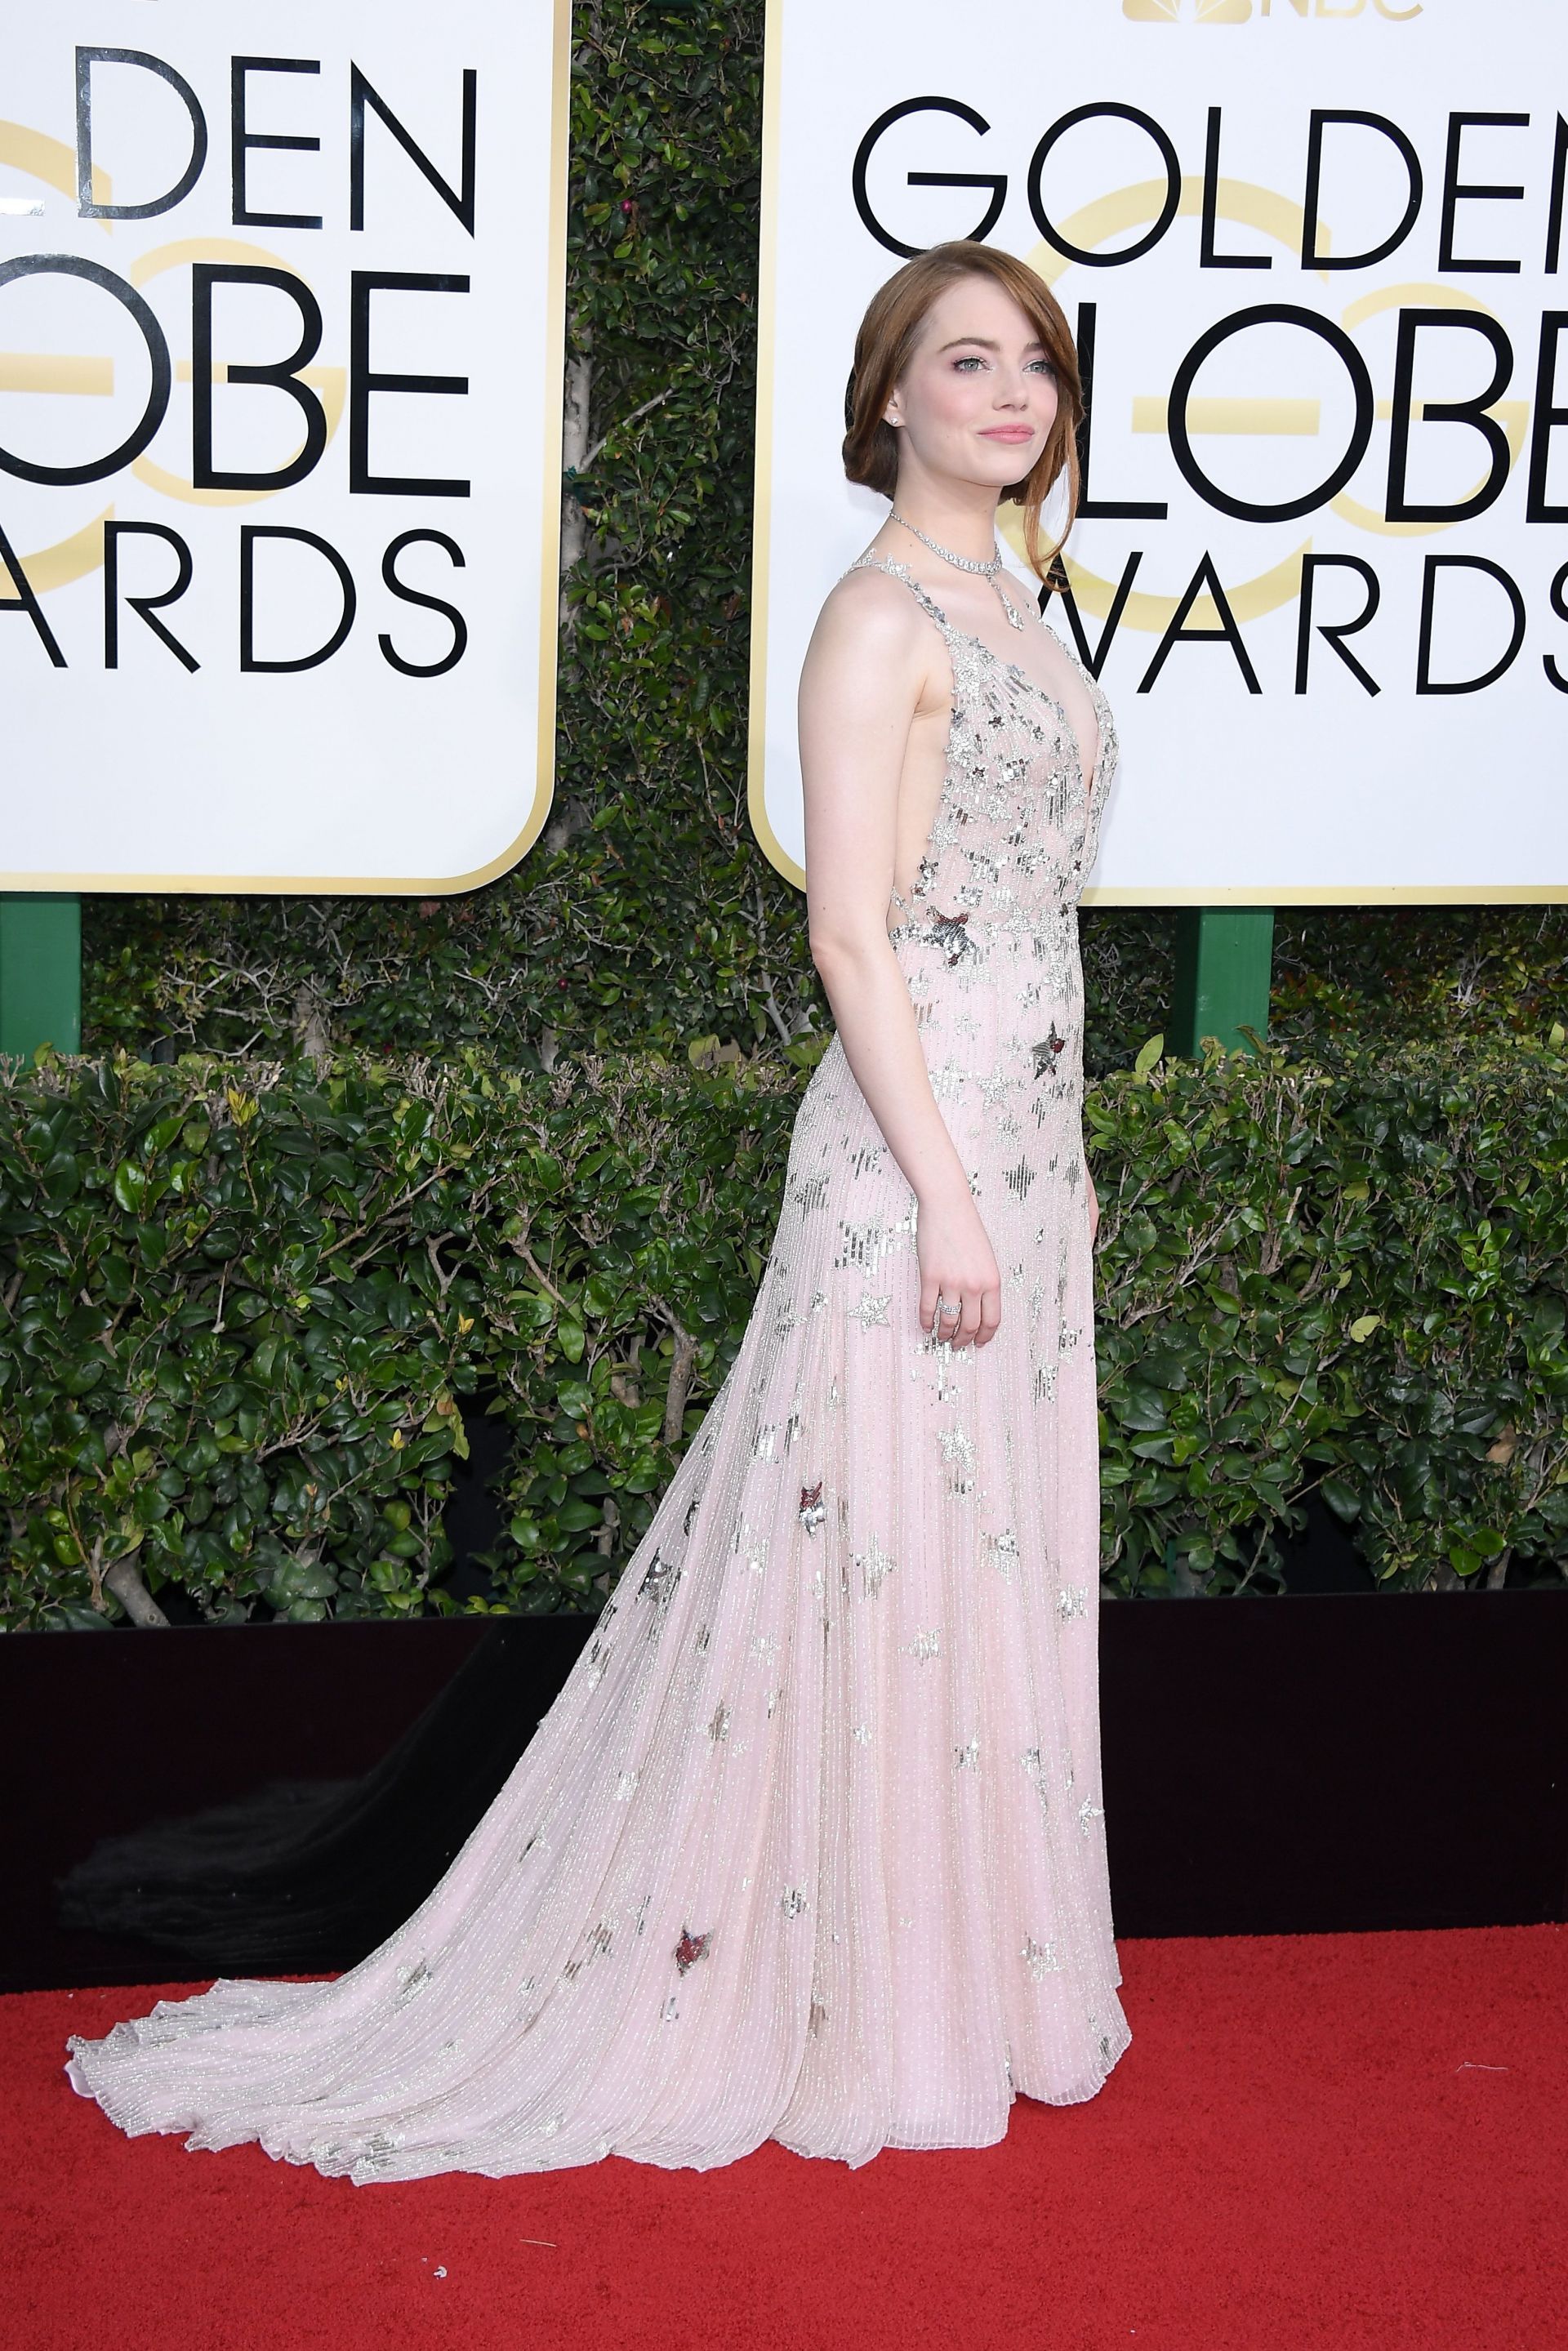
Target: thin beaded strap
[[895, 570]]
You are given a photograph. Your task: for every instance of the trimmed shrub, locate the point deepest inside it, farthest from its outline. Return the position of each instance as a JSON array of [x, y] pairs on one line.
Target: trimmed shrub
[[241, 1307]]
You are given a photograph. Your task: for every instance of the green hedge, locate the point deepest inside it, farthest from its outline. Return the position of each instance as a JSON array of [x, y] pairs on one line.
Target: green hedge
[[240, 1311]]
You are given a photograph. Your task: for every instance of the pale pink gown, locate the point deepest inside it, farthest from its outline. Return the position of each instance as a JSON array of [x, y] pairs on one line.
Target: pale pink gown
[[812, 1846]]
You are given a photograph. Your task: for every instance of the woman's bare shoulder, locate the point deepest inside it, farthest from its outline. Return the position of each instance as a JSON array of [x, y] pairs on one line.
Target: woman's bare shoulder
[[867, 614]]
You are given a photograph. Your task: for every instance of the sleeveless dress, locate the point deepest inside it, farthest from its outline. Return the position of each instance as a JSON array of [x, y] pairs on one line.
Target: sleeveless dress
[[811, 1846]]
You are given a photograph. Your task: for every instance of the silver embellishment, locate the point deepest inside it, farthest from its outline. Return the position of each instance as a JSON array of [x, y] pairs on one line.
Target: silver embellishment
[[659, 1580], [991, 570], [875, 1566], [1046, 1051], [1003, 1548]]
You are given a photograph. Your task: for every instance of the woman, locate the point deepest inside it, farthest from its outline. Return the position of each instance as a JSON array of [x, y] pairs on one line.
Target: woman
[[810, 1847]]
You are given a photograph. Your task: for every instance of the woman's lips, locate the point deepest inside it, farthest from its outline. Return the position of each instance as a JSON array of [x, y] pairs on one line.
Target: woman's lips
[[1008, 431]]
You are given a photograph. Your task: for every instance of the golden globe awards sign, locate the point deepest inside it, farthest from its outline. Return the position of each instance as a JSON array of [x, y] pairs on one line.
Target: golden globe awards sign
[[1311, 251], [280, 366]]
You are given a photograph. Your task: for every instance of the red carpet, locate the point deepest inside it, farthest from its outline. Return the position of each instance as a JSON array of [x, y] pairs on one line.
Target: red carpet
[[1349, 2140]]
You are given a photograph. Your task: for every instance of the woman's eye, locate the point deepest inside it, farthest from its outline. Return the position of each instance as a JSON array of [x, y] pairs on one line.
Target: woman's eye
[[970, 359]]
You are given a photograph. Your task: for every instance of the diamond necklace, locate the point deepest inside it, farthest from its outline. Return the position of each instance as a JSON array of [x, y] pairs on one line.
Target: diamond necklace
[[991, 572]]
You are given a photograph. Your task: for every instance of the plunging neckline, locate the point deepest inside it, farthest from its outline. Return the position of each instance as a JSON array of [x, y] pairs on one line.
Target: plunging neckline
[[1013, 669], [1016, 669], [1088, 783], [890, 563]]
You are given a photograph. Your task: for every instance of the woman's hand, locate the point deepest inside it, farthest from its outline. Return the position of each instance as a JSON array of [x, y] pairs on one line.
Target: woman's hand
[[958, 1264], [1093, 1206]]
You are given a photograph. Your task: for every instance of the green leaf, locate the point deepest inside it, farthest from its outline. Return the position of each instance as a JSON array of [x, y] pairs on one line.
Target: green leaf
[[1341, 1499], [129, 1187]]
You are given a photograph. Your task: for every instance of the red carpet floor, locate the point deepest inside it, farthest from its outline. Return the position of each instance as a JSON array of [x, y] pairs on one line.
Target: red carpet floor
[[1349, 2140]]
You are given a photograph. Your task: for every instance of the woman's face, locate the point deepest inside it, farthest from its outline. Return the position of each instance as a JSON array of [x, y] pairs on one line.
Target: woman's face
[[979, 394]]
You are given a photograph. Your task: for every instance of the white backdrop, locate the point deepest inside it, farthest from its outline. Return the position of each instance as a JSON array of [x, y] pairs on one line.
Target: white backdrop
[[350, 772], [1225, 795]]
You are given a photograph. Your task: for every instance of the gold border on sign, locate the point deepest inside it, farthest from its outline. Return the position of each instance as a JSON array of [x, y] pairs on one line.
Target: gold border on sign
[[1272, 215], [762, 477], [341, 885]]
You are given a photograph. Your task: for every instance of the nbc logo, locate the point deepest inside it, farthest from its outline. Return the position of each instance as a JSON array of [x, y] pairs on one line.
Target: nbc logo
[[1201, 12]]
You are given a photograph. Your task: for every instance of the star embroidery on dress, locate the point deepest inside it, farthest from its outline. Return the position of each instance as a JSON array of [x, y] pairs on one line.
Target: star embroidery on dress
[[691, 1948], [950, 935], [875, 1566], [813, 1508], [871, 1310], [1046, 1051], [1041, 1958], [925, 1645], [659, 1580], [967, 1757], [1072, 1600], [957, 1446], [861, 1242], [792, 1902], [1003, 1548], [1089, 1811]]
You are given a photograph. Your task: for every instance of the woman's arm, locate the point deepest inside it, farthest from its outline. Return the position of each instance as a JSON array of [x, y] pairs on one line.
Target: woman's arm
[[866, 675]]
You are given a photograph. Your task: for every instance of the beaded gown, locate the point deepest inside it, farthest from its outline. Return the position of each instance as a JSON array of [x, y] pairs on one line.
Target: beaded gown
[[812, 1846]]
